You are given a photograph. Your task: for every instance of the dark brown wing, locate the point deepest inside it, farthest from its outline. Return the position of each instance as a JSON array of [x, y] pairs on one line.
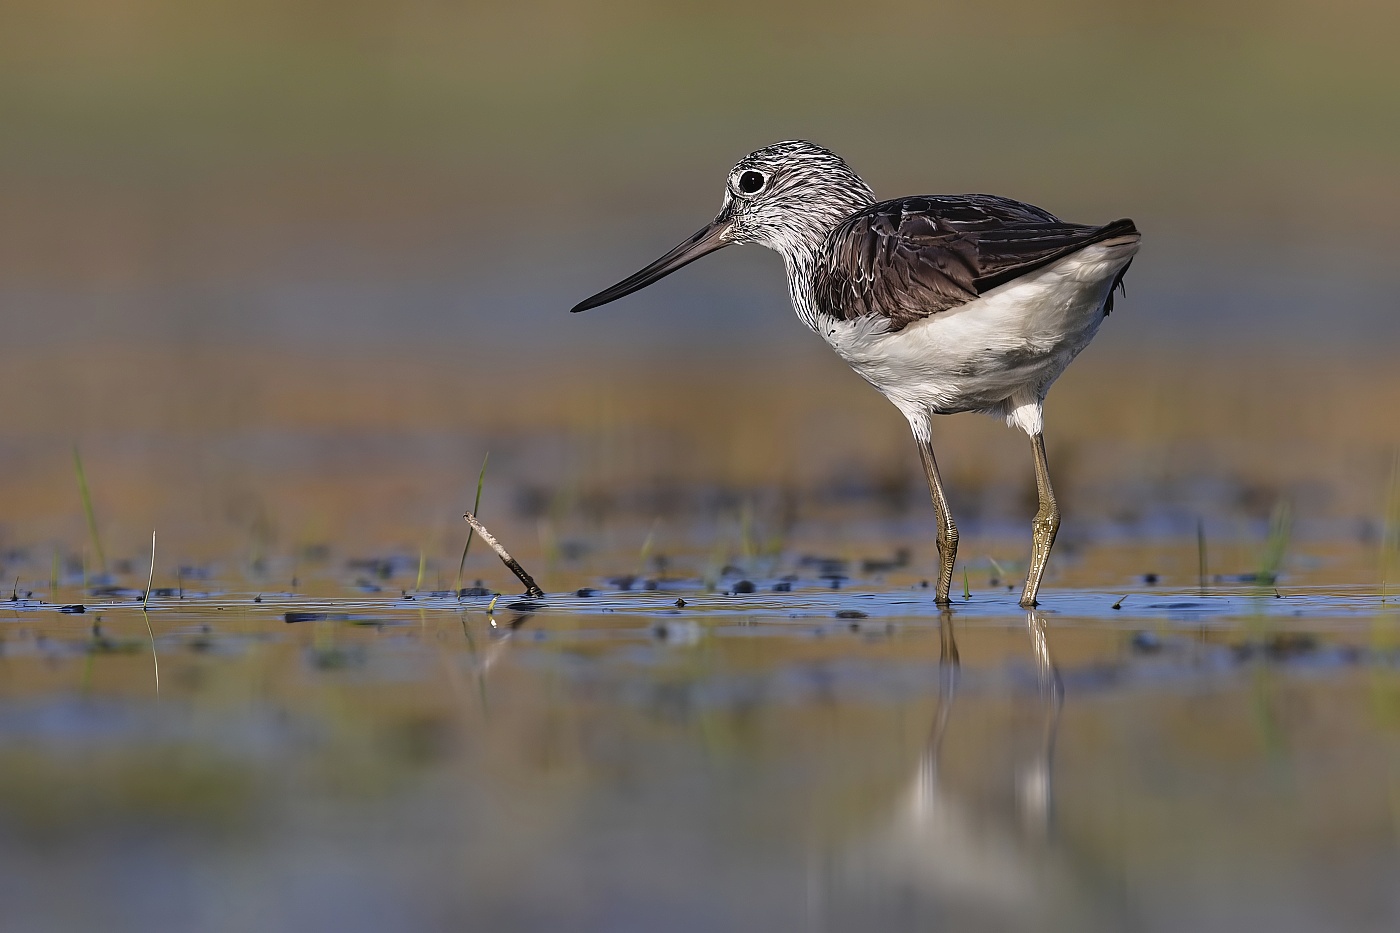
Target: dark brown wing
[[906, 259]]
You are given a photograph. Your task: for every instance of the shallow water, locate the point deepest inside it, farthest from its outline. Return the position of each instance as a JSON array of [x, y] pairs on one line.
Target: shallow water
[[333, 738], [819, 758]]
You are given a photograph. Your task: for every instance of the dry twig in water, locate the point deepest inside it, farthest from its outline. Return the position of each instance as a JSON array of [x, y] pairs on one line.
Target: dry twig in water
[[531, 588]]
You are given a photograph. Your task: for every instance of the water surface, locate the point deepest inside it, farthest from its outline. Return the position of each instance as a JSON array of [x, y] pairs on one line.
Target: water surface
[[820, 758]]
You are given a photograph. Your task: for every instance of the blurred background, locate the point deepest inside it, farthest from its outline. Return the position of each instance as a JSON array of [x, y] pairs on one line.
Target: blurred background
[[277, 275], [287, 270]]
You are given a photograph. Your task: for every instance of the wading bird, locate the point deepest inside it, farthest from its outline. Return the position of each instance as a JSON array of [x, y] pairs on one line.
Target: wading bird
[[945, 303]]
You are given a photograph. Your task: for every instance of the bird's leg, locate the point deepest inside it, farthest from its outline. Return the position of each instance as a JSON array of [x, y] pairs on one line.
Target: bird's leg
[[1045, 525], [947, 531]]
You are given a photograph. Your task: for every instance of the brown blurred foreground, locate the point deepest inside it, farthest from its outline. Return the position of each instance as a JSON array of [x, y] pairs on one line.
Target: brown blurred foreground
[[251, 447]]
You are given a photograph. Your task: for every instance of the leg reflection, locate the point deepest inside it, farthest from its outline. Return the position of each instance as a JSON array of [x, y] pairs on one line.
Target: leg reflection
[[969, 837], [1034, 790], [925, 789]]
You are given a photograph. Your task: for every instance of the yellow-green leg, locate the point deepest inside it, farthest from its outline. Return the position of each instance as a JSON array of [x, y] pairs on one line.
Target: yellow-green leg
[[1045, 525], [947, 531]]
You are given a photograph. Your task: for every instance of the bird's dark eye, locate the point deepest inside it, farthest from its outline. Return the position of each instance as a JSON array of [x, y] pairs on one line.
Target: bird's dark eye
[[749, 182]]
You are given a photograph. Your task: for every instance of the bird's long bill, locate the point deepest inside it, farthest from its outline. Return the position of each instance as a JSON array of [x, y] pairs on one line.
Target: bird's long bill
[[714, 236]]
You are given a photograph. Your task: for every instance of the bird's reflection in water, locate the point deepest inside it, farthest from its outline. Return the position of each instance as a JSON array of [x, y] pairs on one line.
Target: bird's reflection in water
[[966, 847], [960, 853]]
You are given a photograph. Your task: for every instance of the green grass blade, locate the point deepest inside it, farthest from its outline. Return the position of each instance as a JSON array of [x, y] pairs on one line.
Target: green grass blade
[[1201, 554], [1280, 528], [155, 658], [150, 579], [1390, 529], [87, 509], [645, 552], [476, 506]]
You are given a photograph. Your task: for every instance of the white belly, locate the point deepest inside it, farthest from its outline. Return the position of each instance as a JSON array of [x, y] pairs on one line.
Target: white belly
[[997, 353]]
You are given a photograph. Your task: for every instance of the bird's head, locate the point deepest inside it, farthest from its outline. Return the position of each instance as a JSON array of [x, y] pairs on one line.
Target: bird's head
[[787, 197], [790, 194]]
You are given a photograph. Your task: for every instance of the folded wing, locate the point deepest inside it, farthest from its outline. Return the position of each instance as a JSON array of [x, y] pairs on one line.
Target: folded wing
[[909, 258]]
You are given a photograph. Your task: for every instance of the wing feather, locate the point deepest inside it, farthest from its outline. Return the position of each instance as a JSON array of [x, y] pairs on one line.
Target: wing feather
[[907, 259]]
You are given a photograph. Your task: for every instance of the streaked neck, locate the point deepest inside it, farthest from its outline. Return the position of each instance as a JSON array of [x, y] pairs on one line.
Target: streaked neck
[[804, 245]]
